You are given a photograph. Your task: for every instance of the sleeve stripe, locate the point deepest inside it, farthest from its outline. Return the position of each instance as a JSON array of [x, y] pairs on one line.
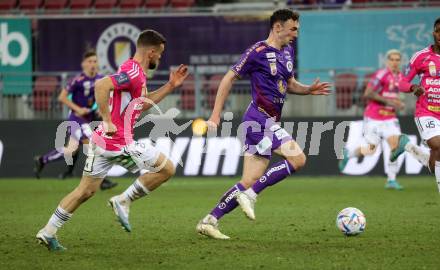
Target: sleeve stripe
[[417, 55], [134, 72], [381, 73]]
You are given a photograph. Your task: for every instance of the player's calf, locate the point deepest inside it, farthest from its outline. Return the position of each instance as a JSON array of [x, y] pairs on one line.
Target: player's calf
[[395, 153]]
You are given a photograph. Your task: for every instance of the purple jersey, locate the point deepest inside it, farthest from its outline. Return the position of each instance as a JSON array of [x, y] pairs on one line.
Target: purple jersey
[[82, 91], [269, 70]]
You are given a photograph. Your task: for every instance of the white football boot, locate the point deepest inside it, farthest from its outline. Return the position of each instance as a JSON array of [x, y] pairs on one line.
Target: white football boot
[[209, 227], [247, 204], [121, 209]]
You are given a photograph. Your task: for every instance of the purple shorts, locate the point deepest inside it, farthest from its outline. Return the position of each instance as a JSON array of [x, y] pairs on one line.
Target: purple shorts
[[262, 134], [79, 128]]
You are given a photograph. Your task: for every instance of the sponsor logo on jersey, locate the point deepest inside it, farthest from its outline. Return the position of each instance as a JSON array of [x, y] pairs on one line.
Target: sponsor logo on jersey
[[273, 68], [432, 69], [122, 78], [289, 66], [434, 108], [385, 112], [434, 90], [430, 81], [271, 55], [245, 57], [259, 49], [281, 87]]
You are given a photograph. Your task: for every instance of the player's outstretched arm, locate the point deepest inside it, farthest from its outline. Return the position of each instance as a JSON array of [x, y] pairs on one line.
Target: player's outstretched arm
[[222, 94], [177, 77], [316, 88], [405, 83], [63, 98], [103, 87], [371, 94], [406, 86]]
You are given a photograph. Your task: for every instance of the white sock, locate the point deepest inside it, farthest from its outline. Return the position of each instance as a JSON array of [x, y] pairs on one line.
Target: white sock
[[418, 154], [392, 170], [135, 191], [251, 193], [210, 219], [56, 221], [437, 173]]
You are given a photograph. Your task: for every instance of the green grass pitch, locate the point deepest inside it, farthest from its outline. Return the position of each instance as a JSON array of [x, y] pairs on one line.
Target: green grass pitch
[[295, 227]]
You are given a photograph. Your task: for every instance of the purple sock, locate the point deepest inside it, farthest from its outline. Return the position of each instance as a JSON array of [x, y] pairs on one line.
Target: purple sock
[[52, 156], [273, 175], [227, 202]]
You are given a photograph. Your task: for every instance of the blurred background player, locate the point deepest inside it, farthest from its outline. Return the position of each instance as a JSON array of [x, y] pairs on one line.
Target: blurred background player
[[269, 63], [380, 120], [426, 64], [79, 96], [121, 98]]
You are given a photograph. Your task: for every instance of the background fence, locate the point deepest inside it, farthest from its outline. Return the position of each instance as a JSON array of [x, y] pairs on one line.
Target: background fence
[[196, 97]]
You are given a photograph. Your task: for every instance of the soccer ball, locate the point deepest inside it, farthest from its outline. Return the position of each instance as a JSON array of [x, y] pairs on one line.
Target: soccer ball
[[199, 127], [351, 221]]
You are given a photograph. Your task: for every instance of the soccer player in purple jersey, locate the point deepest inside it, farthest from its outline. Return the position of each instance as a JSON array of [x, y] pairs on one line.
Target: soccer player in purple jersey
[[269, 63], [82, 99]]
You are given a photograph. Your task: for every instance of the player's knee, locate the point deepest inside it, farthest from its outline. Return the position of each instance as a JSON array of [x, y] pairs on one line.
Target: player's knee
[[298, 161], [85, 194], [69, 151], [368, 150], [169, 170], [435, 148], [435, 152]]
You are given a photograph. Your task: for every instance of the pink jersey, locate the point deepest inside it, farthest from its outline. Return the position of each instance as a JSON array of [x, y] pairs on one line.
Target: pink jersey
[[125, 106], [426, 64], [386, 84]]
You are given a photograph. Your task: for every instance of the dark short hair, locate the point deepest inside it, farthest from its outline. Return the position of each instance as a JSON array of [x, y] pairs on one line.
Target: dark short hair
[[283, 15], [150, 38], [88, 53], [437, 21]]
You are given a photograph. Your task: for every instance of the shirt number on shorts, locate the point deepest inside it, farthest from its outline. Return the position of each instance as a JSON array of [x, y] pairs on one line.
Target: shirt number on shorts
[[430, 124], [88, 167], [264, 145]]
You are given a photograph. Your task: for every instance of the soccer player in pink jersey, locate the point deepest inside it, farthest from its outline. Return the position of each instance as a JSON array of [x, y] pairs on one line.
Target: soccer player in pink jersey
[[426, 64], [380, 120], [121, 98]]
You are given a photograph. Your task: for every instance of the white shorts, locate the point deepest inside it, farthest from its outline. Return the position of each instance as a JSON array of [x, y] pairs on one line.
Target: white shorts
[[428, 127], [376, 130], [134, 157]]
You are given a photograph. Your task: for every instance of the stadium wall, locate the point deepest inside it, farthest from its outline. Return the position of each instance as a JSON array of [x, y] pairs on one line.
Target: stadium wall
[[321, 138], [361, 38]]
